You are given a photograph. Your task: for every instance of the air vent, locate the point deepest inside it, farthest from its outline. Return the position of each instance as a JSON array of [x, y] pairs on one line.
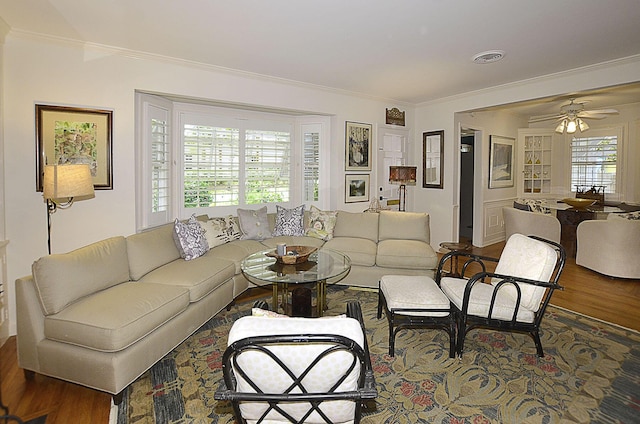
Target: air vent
[[488, 56]]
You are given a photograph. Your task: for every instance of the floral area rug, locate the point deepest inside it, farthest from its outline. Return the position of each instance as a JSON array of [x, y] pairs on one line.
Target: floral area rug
[[590, 373]]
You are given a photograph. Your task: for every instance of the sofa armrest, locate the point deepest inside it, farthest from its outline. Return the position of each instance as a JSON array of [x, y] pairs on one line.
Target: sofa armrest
[[30, 323]]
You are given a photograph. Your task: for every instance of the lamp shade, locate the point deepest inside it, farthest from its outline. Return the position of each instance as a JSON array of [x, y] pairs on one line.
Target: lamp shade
[[402, 175], [67, 181]]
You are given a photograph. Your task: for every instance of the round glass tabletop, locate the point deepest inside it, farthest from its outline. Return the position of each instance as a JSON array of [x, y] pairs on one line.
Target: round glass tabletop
[[323, 265]]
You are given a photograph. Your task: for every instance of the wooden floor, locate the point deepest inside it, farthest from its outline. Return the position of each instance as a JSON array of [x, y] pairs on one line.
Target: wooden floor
[[587, 292]]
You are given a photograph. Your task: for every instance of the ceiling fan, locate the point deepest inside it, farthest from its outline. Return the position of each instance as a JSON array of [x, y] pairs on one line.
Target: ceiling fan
[[572, 116]]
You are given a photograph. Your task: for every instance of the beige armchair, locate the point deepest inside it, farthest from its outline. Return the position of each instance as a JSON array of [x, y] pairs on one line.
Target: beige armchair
[[531, 223], [610, 246]]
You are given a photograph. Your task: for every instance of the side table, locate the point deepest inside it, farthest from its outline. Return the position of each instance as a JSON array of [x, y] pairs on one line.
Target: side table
[[453, 246]]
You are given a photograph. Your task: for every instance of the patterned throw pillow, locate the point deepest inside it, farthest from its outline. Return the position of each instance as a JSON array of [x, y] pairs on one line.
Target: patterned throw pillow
[[254, 224], [221, 230], [289, 222], [189, 238], [321, 223]]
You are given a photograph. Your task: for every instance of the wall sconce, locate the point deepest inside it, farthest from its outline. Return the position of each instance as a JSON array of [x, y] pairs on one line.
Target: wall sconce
[[402, 175], [61, 184]]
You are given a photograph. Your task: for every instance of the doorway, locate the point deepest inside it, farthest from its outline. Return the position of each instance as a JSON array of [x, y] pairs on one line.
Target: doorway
[[467, 147]]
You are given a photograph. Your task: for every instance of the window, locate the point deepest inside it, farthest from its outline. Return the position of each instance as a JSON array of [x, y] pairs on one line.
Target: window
[[595, 160], [216, 159]]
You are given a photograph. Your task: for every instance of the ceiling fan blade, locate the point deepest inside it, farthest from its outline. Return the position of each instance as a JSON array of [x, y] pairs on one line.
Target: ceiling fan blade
[[601, 111], [540, 118], [592, 115]]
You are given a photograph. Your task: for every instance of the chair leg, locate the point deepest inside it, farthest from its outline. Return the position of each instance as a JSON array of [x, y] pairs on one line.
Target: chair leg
[[452, 338], [379, 304], [536, 338]]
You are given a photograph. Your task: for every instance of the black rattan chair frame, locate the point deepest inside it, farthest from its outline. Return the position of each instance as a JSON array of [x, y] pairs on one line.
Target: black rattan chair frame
[[399, 320], [467, 322], [360, 355]]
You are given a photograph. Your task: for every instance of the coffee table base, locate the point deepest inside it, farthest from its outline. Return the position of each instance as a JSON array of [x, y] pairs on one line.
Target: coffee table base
[[301, 299]]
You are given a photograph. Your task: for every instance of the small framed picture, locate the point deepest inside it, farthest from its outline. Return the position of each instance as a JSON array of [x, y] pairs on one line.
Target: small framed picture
[[356, 188], [71, 135], [501, 161], [357, 147]]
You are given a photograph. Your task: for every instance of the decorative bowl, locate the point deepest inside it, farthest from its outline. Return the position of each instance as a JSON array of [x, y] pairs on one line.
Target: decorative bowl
[[579, 203], [295, 254]]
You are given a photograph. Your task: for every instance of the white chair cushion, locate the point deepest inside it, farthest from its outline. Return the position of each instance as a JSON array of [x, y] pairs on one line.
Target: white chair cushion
[[480, 300], [525, 257], [271, 378], [413, 292]]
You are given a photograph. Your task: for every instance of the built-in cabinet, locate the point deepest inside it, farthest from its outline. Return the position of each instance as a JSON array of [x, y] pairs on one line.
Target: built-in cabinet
[[534, 161]]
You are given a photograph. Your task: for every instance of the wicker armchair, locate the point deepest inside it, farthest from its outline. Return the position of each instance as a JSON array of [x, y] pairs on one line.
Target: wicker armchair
[[512, 298], [296, 370]]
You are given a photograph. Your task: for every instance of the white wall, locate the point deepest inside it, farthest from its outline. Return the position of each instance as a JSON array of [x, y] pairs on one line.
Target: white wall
[[41, 71], [443, 204]]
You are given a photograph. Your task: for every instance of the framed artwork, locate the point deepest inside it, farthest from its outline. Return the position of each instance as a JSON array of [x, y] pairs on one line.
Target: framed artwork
[[433, 159], [71, 135], [357, 146], [356, 188], [501, 161]]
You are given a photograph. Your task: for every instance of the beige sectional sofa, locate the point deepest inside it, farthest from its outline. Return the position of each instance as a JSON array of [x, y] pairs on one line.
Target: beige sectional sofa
[[102, 315]]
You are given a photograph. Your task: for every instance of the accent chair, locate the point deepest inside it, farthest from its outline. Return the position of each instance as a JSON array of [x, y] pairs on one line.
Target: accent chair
[[514, 297], [294, 370]]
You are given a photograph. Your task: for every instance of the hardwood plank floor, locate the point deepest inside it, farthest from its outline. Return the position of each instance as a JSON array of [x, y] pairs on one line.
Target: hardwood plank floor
[[587, 292]]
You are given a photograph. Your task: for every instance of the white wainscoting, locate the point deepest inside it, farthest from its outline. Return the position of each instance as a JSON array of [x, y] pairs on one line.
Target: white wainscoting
[[493, 221]]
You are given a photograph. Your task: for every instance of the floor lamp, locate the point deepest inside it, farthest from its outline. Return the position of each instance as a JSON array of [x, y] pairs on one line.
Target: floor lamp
[[403, 175], [61, 184]]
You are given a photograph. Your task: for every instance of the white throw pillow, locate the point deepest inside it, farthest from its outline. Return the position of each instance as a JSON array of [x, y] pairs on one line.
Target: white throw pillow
[[321, 223], [221, 230], [254, 223]]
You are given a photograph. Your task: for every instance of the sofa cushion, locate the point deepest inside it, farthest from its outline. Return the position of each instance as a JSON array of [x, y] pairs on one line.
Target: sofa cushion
[[142, 259], [236, 251], [200, 276], [112, 319], [189, 238], [289, 222], [254, 223], [409, 254], [361, 251], [362, 225], [403, 226], [221, 230], [64, 278]]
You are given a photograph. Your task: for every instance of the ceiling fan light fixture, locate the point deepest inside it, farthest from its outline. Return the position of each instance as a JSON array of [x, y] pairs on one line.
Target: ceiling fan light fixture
[[489, 56], [582, 125], [561, 126], [571, 127]]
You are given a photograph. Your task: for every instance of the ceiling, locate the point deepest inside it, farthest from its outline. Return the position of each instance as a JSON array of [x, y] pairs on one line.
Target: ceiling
[[409, 51]]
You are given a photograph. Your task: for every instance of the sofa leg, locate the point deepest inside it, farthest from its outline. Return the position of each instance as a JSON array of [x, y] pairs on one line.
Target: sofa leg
[[29, 375]]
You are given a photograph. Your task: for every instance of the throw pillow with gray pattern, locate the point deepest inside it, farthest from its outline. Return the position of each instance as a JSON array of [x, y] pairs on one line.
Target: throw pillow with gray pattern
[[289, 222], [189, 238]]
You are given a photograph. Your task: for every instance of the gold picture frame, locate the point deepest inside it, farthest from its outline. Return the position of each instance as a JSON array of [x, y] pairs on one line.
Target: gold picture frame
[[72, 135]]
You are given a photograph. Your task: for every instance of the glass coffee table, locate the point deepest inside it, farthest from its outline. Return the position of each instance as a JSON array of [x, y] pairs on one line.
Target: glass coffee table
[[323, 266]]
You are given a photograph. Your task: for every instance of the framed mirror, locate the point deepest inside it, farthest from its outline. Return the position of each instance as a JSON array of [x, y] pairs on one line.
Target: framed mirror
[[433, 159]]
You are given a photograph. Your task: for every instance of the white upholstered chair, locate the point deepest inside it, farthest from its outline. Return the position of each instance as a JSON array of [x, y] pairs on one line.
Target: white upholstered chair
[[528, 223], [290, 370], [610, 246], [514, 297]]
